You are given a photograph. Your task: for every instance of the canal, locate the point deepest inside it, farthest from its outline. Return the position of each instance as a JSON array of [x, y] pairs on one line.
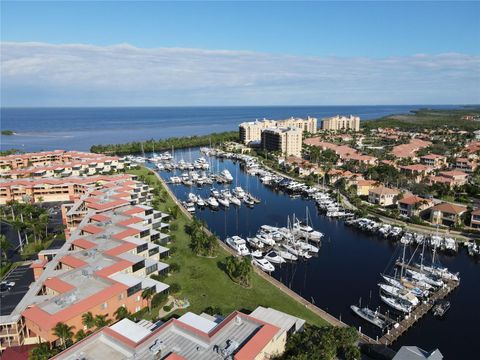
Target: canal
[[348, 266]]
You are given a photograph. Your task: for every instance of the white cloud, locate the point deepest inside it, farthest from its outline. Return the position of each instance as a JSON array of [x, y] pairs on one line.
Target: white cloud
[[76, 74]]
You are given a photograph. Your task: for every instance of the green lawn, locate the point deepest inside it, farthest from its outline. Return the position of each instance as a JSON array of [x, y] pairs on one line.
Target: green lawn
[[205, 284]]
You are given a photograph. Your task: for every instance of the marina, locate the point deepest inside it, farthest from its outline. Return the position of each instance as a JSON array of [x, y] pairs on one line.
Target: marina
[[348, 264]]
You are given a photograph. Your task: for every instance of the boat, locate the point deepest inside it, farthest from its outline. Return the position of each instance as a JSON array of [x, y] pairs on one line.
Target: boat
[[405, 284], [190, 206], [266, 239], [224, 202], [399, 293], [273, 257], [226, 174], [212, 202], [248, 201], [287, 256], [432, 279], [256, 254], [263, 264], [200, 201], [255, 242], [238, 244], [192, 197], [396, 304], [239, 192], [441, 308], [371, 316], [235, 201]]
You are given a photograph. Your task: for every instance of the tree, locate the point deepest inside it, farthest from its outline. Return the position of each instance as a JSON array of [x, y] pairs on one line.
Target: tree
[[88, 320], [175, 288], [19, 227], [121, 313], [42, 352], [80, 335], [102, 320], [147, 294], [64, 332], [4, 247]]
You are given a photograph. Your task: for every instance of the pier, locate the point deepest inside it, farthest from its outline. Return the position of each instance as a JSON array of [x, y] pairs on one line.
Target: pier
[[394, 333]]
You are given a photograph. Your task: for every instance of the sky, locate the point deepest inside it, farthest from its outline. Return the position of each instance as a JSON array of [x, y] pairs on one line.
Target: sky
[[239, 53]]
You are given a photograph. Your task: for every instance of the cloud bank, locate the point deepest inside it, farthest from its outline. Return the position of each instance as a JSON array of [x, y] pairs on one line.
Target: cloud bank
[[40, 74]]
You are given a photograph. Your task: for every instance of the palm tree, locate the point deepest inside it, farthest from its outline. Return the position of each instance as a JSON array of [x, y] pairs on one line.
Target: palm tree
[[121, 313], [19, 226], [41, 352], [64, 332], [147, 294], [80, 335], [4, 246], [88, 320], [102, 320]]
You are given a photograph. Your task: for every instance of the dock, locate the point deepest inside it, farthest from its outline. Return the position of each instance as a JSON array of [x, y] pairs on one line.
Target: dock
[[394, 333]]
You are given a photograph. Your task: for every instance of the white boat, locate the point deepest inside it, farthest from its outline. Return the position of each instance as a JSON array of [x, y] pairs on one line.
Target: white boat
[[238, 244], [425, 278], [226, 174], [248, 201], [307, 232], [287, 256], [399, 293], [308, 247], [215, 193], [273, 257], [255, 242], [256, 254], [224, 202], [266, 239], [211, 201], [239, 192], [371, 316], [235, 201], [192, 197], [405, 284], [200, 201], [189, 206], [263, 264], [397, 305]]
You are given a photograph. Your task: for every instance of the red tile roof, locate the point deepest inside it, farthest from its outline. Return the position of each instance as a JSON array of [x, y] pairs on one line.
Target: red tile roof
[[450, 208]]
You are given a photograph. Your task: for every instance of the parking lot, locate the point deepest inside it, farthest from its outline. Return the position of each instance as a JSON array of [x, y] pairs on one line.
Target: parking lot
[[23, 277]]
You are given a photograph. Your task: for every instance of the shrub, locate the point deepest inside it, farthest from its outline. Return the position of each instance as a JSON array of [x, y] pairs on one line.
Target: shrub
[[159, 299], [167, 308], [175, 288], [174, 267], [173, 226], [213, 310]]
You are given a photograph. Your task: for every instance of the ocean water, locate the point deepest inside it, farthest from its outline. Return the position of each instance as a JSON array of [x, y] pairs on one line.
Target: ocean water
[[80, 128]]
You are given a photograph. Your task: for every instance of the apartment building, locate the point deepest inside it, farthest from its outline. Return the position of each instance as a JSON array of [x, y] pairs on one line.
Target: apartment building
[[447, 214], [30, 190], [451, 178], [252, 131], [382, 196], [434, 160], [417, 172], [260, 335], [59, 164], [287, 141], [464, 164], [475, 219], [341, 123], [110, 253]]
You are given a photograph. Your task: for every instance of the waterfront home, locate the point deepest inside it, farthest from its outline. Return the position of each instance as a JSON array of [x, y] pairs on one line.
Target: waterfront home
[[447, 214], [363, 186], [451, 178], [464, 164], [413, 205], [409, 150], [417, 172], [383, 196], [434, 160], [260, 335], [475, 219]]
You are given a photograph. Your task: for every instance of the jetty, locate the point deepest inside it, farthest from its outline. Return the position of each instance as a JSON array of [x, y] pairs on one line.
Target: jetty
[[394, 333]]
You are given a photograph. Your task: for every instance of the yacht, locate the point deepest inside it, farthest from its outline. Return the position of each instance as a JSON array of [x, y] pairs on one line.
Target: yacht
[[263, 264], [226, 174], [192, 197], [200, 201], [404, 284], [239, 192], [371, 316], [273, 257], [399, 293], [266, 239], [212, 202], [255, 242], [238, 244], [235, 201], [396, 304], [287, 256], [224, 202], [432, 280], [256, 254]]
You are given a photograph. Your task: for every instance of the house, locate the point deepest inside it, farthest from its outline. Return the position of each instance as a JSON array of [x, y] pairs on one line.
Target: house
[[363, 186], [413, 205], [451, 178], [447, 214], [465, 165], [415, 353], [475, 219], [435, 160], [416, 171], [382, 196]]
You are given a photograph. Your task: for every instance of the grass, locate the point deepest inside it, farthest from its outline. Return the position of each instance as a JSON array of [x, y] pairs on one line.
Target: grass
[[205, 284]]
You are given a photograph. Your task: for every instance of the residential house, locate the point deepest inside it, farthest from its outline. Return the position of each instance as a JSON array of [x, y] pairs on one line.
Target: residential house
[[447, 214], [383, 196], [413, 205], [417, 172], [434, 160], [475, 219]]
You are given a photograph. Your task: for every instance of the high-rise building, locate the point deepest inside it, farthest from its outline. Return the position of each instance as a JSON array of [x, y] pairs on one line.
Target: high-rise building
[[338, 122], [252, 131], [287, 141]]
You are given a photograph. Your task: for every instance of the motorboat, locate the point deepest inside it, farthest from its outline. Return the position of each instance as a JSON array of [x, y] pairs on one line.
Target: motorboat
[[192, 197], [235, 201], [287, 256], [266, 239], [255, 242], [263, 264], [238, 244], [226, 174], [224, 202], [200, 201], [273, 257], [212, 202], [256, 254]]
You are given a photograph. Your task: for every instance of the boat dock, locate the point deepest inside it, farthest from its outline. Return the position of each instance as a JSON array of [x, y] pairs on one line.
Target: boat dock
[[394, 333]]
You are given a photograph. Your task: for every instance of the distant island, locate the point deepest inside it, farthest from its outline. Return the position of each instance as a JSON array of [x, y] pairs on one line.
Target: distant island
[[467, 119], [8, 132]]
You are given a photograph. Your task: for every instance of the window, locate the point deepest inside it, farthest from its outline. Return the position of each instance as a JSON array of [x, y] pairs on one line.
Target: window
[[104, 306], [121, 296], [138, 298], [134, 289]]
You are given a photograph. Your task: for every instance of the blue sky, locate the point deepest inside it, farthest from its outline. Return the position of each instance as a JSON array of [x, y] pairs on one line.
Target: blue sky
[[263, 53]]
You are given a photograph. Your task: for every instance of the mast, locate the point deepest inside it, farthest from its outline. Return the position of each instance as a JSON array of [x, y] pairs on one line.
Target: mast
[[403, 261]]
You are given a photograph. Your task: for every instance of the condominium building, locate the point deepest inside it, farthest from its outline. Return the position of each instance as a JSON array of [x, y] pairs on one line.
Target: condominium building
[[252, 131], [287, 141], [58, 164], [382, 196], [339, 123], [112, 249], [260, 335]]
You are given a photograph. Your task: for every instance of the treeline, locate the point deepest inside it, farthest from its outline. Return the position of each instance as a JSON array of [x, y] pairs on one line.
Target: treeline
[[165, 144]]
